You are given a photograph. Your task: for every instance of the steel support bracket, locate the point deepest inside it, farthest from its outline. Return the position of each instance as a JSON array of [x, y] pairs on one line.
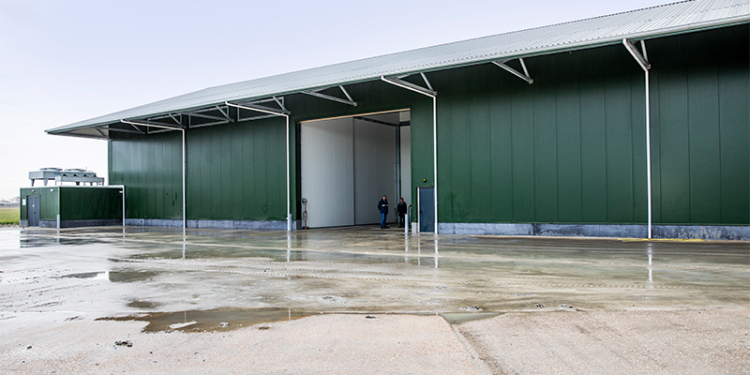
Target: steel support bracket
[[317, 94], [153, 124], [178, 120], [641, 58], [109, 129], [410, 86], [524, 76], [225, 113], [259, 108], [210, 117]]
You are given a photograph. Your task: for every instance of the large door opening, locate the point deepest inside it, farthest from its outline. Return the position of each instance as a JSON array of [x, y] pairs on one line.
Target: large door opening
[[349, 163]]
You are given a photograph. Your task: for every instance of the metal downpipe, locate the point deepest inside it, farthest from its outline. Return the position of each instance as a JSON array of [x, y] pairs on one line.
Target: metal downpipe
[[642, 60], [434, 160], [184, 200], [434, 139], [648, 152], [288, 195]]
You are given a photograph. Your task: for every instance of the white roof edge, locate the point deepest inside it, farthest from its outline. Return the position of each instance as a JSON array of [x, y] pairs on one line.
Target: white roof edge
[[286, 83]]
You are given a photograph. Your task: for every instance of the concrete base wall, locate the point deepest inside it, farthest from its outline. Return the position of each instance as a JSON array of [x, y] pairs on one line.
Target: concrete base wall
[[79, 223], [706, 232], [214, 224]]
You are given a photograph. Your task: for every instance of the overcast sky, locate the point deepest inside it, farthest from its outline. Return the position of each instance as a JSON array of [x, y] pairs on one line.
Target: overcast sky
[[67, 61]]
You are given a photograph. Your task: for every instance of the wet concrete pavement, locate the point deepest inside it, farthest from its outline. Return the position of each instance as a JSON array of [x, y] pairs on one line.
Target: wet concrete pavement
[[252, 278]]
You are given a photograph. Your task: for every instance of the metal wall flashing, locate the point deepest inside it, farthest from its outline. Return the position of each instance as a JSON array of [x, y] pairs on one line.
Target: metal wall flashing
[[705, 232]]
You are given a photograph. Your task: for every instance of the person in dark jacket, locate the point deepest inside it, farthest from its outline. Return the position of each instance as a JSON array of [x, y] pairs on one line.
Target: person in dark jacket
[[401, 212], [383, 207]]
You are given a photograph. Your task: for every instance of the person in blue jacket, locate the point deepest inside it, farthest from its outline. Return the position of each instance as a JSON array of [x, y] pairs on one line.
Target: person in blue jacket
[[383, 207]]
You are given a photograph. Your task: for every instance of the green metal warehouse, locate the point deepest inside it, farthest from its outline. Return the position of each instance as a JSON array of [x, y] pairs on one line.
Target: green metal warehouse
[[635, 124]]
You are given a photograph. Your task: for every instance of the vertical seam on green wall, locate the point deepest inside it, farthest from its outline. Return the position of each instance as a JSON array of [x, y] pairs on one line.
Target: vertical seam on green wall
[[661, 149], [510, 142], [632, 155], [488, 109], [689, 169], [354, 171], [606, 152], [557, 153], [580, 146], [533, 161], [718, 123]]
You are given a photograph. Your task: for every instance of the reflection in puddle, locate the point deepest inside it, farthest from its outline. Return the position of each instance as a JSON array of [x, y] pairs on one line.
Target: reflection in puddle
[[211, 320], [140, 304], [458, 318], [89, 275], [114, 276], [52, 241]]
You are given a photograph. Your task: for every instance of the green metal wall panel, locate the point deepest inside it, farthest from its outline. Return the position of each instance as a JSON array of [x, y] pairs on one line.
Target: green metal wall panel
[[734, 133], [545, 144], [90, 203], [701, 119], [227, 170], [569, 150], [574, 141], [619, 145], [501, 152], [522, 160], [565, 137], [593, 138], [149, 167]]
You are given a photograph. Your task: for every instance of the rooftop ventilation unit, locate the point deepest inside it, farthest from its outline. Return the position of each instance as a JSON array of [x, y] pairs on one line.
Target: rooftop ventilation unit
[[59, 175]]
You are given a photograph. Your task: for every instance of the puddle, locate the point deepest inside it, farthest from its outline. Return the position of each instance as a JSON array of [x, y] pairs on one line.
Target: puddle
[[211, 320], [86, 275], [197, 251], [139, 304], [458, 318], [130, 276], [52, 241], [114, 276]]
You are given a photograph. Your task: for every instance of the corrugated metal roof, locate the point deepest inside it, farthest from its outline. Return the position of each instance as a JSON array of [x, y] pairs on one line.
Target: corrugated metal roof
[[644, 23]]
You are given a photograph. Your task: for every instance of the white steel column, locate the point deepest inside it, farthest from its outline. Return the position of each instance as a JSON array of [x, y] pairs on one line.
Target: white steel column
[[435, 162], [184, 204], [642, 60], [288, 197], [433, 94]]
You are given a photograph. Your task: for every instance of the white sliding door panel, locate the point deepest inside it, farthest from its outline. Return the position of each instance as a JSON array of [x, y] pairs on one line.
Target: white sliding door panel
[[374, 170], [406, 164], [327, 174]]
